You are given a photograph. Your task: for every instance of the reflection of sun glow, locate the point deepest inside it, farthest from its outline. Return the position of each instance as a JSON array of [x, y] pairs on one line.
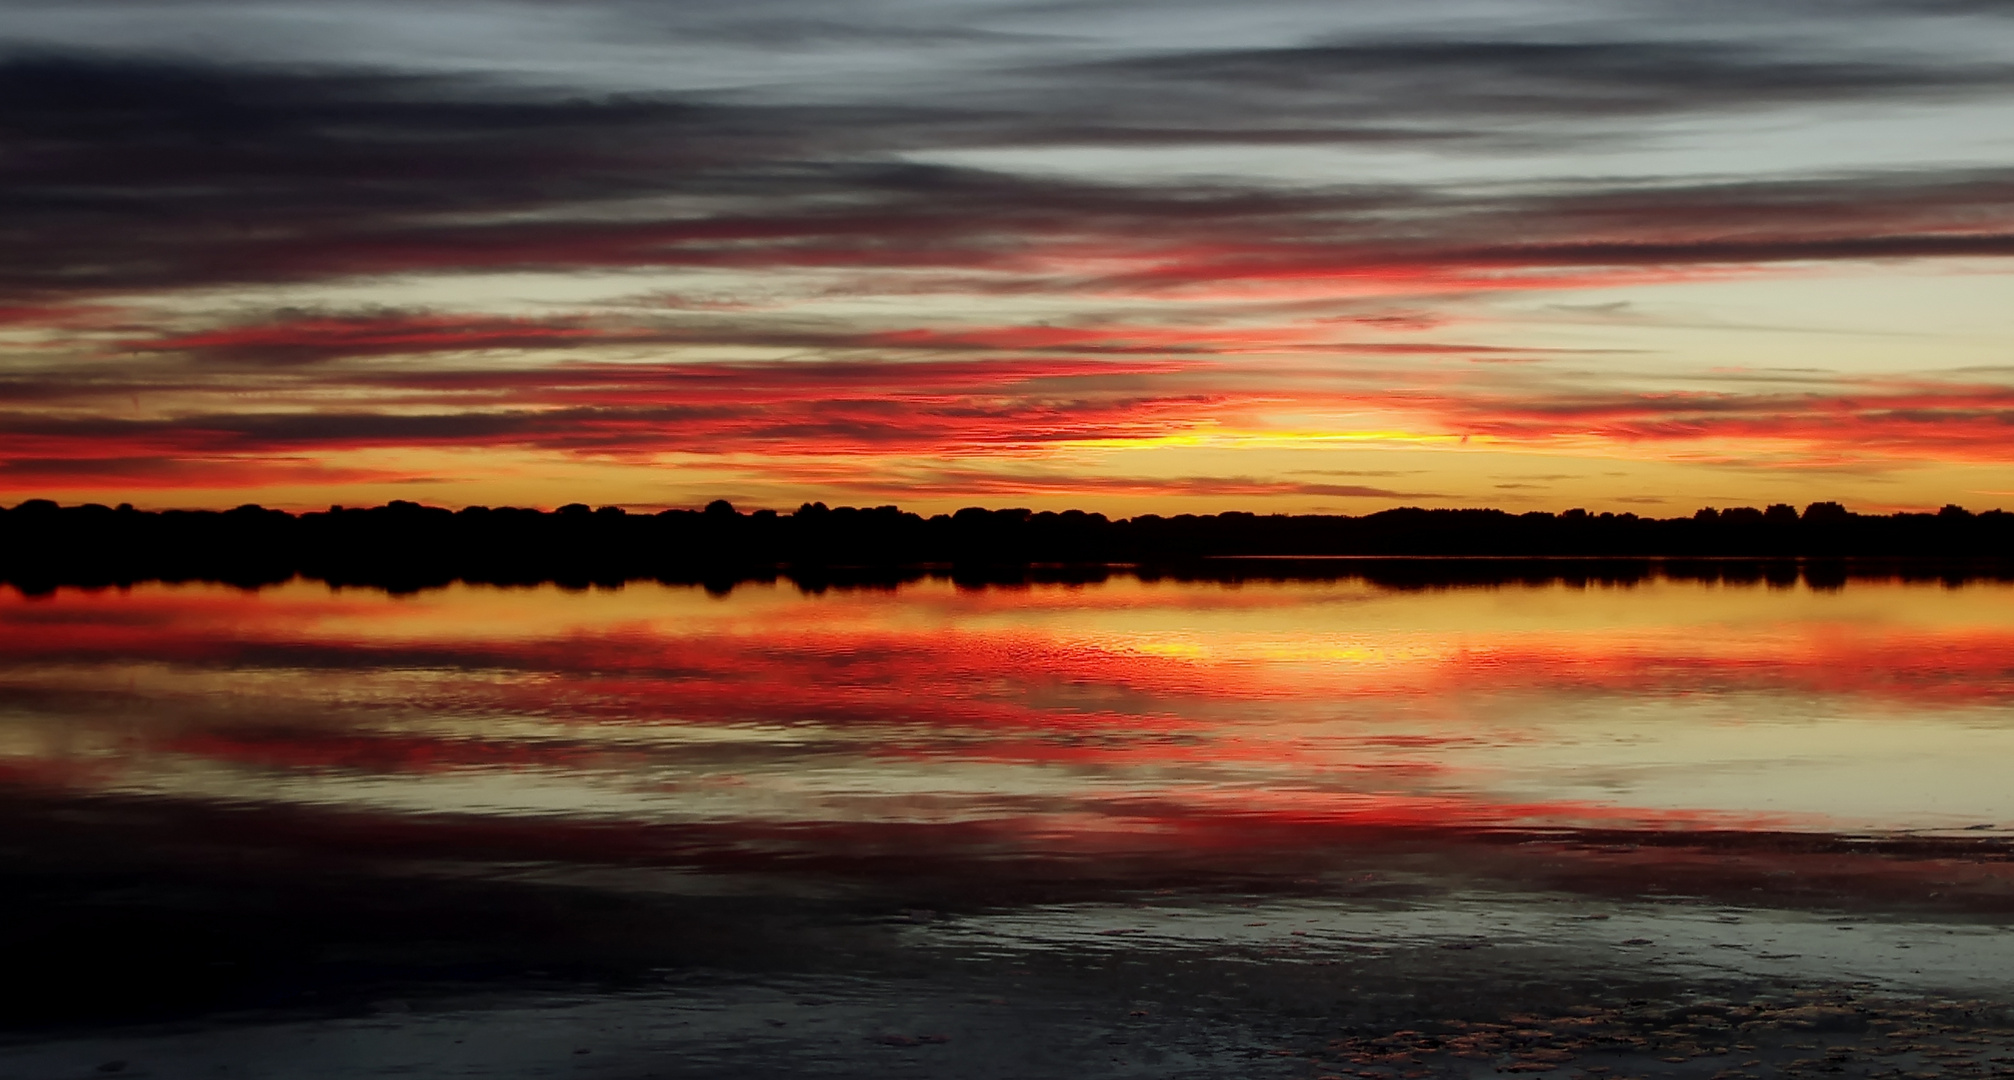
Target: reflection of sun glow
[[1060, 714]]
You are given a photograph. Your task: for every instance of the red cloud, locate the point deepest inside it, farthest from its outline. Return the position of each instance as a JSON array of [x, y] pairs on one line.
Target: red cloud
[[1939, 422], [969, 391], [946, 409]]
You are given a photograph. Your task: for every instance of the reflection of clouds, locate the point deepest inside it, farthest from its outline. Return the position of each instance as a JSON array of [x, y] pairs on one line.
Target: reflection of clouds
[[1120, 710]]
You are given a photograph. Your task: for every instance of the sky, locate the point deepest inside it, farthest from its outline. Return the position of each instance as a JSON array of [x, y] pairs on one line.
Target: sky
[[1130, 257]]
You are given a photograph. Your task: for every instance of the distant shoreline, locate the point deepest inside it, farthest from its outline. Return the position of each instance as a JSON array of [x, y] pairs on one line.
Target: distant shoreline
[[406, 546]]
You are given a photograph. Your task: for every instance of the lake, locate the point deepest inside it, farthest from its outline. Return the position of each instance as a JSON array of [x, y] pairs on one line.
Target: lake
[[1320, 825]]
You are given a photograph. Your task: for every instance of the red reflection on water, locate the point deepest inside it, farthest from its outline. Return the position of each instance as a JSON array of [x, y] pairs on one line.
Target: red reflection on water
[[1122, 717], [807, 669]]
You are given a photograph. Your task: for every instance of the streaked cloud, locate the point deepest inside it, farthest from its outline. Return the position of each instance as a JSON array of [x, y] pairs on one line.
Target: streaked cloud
[[263, 253]]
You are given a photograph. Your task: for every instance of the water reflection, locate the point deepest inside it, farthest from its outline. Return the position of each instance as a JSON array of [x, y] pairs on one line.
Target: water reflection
[[1126, 713], [388, 788]]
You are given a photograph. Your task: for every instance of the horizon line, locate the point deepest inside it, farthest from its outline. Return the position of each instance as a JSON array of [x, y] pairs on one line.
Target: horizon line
[[1775, 511]]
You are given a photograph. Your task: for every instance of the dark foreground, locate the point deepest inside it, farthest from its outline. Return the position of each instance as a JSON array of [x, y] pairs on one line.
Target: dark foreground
[[856, 1028], [146, 941]]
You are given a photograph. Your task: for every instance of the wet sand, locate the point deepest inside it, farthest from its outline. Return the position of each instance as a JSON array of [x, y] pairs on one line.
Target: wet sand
[[154, 940], [1130, 1014]]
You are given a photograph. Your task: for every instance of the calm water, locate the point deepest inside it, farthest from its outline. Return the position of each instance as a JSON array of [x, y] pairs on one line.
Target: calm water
[[670, 818]]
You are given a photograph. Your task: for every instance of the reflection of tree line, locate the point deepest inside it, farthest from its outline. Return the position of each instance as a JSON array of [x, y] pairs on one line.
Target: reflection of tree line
[[405, 545]]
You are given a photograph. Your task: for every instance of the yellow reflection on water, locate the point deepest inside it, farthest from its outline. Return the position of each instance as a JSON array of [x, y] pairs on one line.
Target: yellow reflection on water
[[1119, 707]]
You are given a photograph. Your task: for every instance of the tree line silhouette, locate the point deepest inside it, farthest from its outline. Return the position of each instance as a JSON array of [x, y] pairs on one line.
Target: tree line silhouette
[[405, 545]]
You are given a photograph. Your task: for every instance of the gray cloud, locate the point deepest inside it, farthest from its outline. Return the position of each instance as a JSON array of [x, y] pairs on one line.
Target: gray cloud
[[136, 175], [1468, 89]]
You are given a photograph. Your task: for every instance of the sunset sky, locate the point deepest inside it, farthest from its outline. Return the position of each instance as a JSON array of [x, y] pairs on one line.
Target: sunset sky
[[1124, 256]]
